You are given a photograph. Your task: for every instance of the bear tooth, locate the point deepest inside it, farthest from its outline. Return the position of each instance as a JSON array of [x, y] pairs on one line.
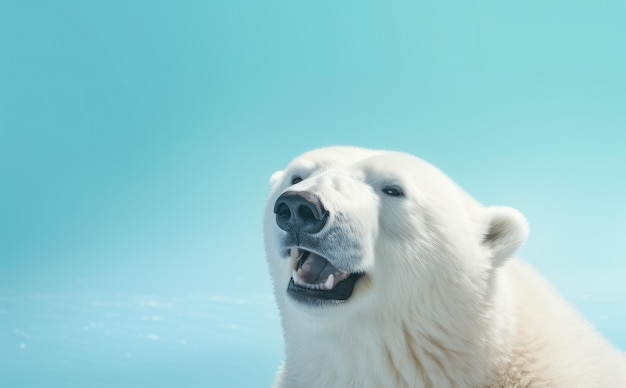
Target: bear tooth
[[294, 253], [296, 278], [327, 285], [330, 282]]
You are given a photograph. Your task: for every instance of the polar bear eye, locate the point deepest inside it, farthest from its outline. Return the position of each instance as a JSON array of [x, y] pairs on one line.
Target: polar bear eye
[[296, 179], [393, 191]]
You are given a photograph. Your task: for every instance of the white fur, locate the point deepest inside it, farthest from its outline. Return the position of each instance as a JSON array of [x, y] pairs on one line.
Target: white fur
[[442, 303]]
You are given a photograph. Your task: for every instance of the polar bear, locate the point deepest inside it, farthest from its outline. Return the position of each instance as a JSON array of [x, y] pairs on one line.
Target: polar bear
[[387, 274]]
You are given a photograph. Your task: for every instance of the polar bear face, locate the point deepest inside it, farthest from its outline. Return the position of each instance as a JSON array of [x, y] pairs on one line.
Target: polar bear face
[[348, 228]]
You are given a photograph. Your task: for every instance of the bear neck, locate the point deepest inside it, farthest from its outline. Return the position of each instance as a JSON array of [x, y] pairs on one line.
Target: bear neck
[[387, 349]]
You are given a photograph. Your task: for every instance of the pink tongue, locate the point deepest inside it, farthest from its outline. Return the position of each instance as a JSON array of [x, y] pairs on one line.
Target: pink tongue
[[315, 269]]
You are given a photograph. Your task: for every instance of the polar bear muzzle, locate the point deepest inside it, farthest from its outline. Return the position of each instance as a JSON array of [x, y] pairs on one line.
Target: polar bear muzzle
[[315, 279]]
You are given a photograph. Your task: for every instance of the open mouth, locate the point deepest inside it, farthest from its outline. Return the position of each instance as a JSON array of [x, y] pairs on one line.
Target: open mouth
[[316, 280]]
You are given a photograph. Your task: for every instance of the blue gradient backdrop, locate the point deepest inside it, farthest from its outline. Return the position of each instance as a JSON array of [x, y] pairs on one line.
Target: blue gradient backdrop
[[137, 138]]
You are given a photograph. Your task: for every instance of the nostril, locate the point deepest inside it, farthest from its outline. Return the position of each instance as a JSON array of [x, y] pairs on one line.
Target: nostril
[[282, 211]]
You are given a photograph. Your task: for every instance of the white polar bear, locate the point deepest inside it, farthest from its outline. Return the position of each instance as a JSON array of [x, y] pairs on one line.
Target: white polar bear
[[387, 274]]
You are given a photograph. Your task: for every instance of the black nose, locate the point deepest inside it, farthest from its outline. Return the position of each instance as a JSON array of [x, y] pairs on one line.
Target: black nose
[[300, 211]]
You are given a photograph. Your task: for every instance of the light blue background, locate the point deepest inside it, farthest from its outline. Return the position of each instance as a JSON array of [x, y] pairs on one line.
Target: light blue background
[[137, 139]]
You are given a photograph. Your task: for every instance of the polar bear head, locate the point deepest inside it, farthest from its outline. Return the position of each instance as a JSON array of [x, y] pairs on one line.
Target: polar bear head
[[351, 232]]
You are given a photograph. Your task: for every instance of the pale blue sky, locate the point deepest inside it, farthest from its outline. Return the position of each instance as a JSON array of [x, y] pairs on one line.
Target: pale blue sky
[[137, 138]]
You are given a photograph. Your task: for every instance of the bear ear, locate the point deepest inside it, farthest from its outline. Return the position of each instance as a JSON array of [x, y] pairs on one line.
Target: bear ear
[[507, 230], [276, 177]]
